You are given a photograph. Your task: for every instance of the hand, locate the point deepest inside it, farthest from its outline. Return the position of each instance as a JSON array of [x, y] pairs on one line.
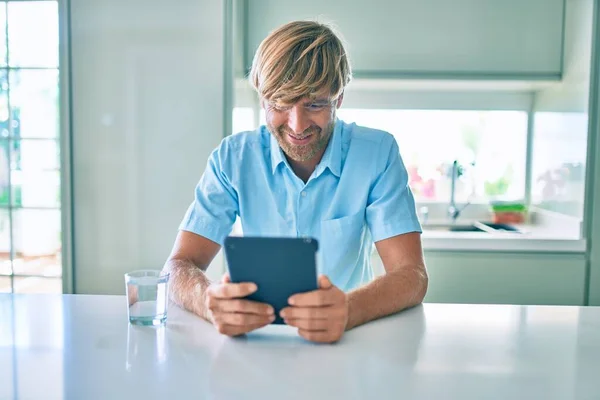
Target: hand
[[320, 315], [132, 294], [232, 315]]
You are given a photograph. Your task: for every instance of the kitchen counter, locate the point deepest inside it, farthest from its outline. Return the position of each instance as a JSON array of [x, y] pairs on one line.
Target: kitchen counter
[[513, 242], [81, 347], [545, 232]]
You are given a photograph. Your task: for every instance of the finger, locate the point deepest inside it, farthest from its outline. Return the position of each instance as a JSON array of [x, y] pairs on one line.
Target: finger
[[307, 312], [318, 337], [238, 319], [132, 294], [324, 282], [244, 307], [313, 325], [234, 330], [232, 290], [226, 278], [316, 298]]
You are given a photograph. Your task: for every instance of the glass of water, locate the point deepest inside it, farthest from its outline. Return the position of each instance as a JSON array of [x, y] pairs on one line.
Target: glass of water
[[146, 292]]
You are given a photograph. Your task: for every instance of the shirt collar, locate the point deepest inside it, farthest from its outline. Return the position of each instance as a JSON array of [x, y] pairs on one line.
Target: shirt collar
[[277, 156], [332, 158]]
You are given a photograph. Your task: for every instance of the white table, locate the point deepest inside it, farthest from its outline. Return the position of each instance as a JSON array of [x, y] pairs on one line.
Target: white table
[[81, 347]]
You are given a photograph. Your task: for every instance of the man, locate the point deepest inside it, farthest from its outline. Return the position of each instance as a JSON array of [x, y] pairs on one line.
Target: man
[[304, 174]]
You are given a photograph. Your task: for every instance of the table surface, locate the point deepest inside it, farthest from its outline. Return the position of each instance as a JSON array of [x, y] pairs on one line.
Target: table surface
[[82, 347]]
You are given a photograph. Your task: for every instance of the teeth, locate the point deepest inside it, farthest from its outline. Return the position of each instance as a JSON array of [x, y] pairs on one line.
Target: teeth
[[302, 138]]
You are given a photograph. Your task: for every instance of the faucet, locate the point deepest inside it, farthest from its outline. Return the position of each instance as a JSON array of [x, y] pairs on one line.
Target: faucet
[[453, 211]]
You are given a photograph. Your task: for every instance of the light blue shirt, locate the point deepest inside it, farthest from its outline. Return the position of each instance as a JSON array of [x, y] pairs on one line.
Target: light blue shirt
[[357, 195]]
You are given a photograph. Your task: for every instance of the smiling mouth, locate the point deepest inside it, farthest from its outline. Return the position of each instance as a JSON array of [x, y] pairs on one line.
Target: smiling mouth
[[300, 138], [299, 141]]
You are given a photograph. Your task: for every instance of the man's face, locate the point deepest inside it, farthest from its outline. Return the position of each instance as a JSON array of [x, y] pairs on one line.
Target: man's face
[[303, 129]]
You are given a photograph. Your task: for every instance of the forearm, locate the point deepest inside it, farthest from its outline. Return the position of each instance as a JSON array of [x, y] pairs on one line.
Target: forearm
[[187, 286], [386, 295]]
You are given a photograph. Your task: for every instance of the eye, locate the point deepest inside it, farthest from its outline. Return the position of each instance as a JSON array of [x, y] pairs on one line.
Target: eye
[[315, 107]]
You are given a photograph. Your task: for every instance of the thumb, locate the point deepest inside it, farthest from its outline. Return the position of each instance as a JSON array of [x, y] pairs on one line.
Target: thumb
[[324, 282], [226, 278]]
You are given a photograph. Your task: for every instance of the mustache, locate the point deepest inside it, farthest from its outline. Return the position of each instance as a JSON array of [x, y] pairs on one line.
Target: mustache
[[307, 132]]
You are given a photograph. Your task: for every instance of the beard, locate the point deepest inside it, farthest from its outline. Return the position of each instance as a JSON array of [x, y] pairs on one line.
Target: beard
[[303, 152]]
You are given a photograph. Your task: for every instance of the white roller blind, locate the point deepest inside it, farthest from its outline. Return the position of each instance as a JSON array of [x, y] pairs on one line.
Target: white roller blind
[[429, 38]]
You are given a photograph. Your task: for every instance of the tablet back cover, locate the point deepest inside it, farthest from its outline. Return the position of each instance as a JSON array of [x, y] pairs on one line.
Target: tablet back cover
[[280, 267]]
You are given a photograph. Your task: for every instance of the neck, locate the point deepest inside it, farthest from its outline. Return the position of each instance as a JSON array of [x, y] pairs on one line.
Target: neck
[[304, 169]]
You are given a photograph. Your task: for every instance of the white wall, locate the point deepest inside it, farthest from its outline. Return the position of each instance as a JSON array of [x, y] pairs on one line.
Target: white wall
[[572, 93], [147, 108]]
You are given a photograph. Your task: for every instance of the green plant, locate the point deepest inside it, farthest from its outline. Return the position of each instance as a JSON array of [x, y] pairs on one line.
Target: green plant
[[498, 187]]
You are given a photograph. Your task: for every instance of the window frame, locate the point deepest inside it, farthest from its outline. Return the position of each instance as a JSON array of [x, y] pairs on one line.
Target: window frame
[[11, 208]]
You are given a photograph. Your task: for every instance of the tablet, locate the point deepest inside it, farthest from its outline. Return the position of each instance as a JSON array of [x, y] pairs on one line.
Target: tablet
[[280, 267]]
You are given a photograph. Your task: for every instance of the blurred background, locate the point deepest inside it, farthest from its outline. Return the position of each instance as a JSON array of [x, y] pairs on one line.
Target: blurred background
[[109, 110]]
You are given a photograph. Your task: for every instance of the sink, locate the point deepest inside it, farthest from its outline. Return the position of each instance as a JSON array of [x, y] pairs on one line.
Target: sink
[[465, 228], [502, 227], [477, 226], [452, 227]]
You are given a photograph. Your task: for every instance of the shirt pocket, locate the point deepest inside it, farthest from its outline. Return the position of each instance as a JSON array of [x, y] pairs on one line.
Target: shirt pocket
[[340, 245], [343, 226]]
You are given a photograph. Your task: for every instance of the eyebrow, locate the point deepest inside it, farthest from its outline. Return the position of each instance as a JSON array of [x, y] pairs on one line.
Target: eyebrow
[[316, 101]]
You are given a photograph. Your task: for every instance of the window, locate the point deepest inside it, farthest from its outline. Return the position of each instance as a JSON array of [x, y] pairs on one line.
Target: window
[[243, 119], [30, 215], [490, 147], [559, 162]]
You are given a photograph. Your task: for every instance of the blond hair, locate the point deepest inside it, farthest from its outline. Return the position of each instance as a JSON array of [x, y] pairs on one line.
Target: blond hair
[[299, 59]]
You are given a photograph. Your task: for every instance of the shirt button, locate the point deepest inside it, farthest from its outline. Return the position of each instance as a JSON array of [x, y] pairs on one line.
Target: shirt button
[[303, 194]]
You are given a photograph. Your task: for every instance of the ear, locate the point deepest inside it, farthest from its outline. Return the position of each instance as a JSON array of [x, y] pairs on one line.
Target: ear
[[340, 100]]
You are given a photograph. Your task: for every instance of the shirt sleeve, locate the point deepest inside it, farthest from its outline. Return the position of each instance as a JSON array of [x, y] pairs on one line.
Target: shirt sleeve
[[215, 206], [391, 206]]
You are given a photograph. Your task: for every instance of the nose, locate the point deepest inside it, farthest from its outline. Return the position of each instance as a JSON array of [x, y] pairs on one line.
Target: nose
[[298, 121]]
